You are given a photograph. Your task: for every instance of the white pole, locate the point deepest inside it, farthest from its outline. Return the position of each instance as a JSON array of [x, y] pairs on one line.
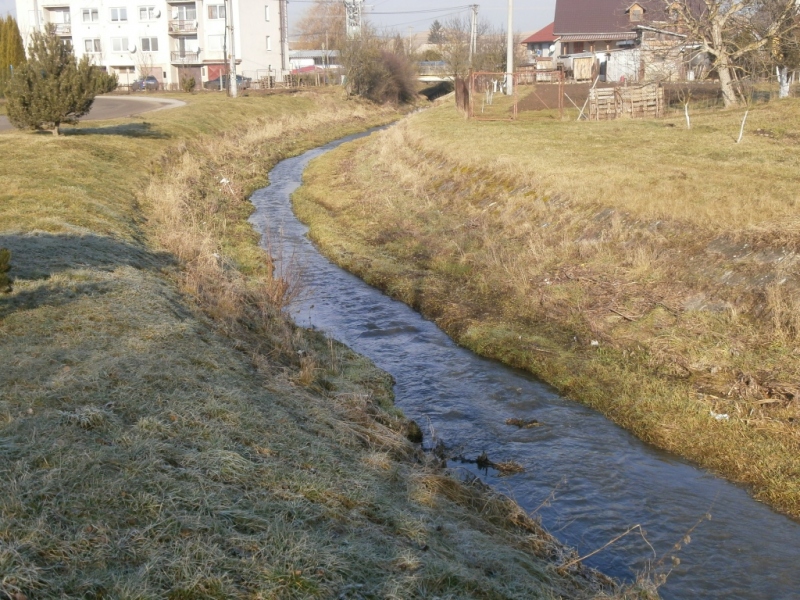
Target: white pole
[[471, 35], [510, 50], [284, 40], [232, 78]]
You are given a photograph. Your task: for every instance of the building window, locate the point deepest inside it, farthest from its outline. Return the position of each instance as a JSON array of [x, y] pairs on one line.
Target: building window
[[60, 17], [90, 15], [185, 12], [147, 13], [119, 14], [92, 46], [150, 44], [216, 11], [119, 44], [269, 43], [266, 13]]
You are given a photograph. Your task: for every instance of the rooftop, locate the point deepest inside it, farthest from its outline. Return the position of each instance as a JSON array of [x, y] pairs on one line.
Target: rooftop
[[600, 16], [545, 34]]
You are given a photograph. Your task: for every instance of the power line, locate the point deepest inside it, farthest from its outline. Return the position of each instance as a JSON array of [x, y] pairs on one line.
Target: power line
[[427, 10]]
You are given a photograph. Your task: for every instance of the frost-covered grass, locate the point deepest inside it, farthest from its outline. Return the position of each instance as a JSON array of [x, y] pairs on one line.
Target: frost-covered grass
[[166, 433]]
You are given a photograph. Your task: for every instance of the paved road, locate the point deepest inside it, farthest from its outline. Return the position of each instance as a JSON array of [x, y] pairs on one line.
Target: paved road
[[115, 107]]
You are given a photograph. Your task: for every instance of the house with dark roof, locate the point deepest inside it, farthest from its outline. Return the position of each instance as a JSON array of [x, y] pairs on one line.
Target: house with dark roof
[[631, 39], [601, 25]]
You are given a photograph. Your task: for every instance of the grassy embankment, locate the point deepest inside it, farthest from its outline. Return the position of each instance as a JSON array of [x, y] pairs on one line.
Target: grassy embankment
[[165, 432], [643, 269]]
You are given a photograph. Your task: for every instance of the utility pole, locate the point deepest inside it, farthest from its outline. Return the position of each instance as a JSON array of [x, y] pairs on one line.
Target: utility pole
[[224, 47], [473, 33], [36, 14], [284, 38], [353, 20], [232, 78], [510, 50]]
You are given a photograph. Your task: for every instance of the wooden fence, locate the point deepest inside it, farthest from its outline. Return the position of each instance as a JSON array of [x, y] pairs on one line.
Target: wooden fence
[[462, 95]]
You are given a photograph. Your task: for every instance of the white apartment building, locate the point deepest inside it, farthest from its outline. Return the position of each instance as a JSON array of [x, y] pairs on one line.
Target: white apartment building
[[169, 39]]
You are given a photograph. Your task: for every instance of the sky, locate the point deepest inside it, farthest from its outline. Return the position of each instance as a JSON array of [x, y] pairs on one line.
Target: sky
[[6, 7], [529, 15]]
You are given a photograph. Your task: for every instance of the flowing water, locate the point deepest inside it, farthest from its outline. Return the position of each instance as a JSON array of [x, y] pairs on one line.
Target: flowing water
[[605, 480]]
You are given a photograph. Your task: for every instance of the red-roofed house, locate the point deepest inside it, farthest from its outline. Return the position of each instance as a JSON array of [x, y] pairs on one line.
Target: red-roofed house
[[540, 43]]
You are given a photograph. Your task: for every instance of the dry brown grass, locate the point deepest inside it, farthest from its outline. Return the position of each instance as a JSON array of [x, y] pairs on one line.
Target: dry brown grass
[[165, 432], [657, 284]]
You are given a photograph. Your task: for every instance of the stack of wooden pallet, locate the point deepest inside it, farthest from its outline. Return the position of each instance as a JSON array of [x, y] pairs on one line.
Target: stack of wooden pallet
[[640, 102]]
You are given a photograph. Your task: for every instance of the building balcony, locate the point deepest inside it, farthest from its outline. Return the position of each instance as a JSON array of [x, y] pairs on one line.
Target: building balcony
[[185, 58], [62, 29], [178, 27]]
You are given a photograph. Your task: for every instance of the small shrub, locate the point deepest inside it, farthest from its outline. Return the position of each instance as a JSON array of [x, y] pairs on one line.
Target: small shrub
[[378, 74], [188, 84], [105, 82], [53, 87]]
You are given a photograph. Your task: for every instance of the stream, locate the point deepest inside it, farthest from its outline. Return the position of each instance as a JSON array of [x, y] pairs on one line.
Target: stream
[[587, 479]]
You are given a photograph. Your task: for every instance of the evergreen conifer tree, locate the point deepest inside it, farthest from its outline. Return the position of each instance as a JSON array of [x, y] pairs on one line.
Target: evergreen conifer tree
[[53, 87], [15, 49], [4, 70], [12, 51], [5, 266]]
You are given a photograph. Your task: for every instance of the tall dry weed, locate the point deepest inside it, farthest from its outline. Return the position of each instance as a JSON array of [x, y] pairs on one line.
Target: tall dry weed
[[191, 202], [783, 305]]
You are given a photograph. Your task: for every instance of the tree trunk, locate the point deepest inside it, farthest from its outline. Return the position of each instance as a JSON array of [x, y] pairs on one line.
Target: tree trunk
[[726, 82], [783, 80], [56, 130], [722, 64]]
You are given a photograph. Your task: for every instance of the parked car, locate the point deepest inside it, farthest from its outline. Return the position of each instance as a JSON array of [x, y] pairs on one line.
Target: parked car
[[146, 83], [242, 83]]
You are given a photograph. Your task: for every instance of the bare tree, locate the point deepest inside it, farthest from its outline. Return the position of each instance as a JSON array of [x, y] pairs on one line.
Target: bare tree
[[491, 47], [783, 51], [322, 25], [730, 30], [454, 45], [144, 62]]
